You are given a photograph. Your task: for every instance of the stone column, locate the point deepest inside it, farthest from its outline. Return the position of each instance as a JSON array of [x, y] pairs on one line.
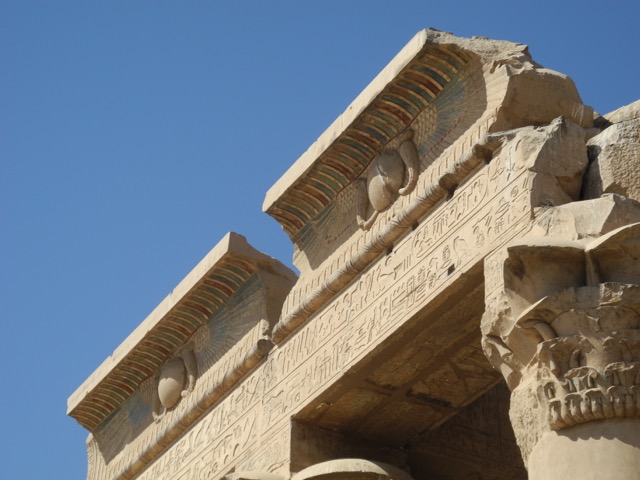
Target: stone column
[[351, 469], [563, 328]]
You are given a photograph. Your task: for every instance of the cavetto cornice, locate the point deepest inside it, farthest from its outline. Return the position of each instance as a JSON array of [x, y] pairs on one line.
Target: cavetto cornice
[[440, 106], [162, 335], [382, 111], [407, 86]]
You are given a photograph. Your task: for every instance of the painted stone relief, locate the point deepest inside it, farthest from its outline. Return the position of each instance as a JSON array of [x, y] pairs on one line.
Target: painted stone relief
[[392, 173], [176, 380], [452, 193]]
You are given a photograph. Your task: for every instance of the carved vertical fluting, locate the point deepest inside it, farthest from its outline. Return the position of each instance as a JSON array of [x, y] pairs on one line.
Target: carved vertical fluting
[[564, 331]]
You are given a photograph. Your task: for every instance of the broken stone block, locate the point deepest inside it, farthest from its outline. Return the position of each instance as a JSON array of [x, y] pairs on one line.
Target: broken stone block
[[622, 114], [615, 157]]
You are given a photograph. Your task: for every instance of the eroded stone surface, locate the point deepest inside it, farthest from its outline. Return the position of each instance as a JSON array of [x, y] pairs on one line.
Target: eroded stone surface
[[587, 218], [565, 332], [625, 113], [451, 193], [615, 160], [605, 450]]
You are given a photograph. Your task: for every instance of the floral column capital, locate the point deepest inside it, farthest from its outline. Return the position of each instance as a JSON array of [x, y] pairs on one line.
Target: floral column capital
[[565, 331]]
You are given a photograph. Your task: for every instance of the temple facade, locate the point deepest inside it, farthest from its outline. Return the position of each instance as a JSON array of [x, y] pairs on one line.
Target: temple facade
[[467, 235]]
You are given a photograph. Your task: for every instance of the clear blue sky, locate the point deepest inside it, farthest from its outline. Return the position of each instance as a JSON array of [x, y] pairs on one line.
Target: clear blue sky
[[133, 135]]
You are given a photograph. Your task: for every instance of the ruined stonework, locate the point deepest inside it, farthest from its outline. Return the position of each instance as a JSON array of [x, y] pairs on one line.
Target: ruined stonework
[[468, 304]]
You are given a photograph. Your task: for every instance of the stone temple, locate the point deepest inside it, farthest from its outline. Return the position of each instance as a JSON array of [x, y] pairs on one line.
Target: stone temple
[[468, 306]]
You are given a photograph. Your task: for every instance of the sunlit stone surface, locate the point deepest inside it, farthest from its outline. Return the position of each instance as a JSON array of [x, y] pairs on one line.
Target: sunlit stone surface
[[467, 234]]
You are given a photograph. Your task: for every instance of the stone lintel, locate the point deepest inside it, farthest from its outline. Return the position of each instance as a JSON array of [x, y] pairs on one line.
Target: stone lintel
[[162, 335], [408, 217], [432, 118]]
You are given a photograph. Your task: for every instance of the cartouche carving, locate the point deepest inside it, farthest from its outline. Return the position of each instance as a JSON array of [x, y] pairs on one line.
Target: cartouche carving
[[387, 174], [176, 380]]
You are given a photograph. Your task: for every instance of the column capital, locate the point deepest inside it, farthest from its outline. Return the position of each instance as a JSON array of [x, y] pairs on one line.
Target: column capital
[[564, 331]]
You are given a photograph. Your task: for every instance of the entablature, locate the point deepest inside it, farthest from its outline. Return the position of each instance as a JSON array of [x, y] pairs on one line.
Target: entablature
[[226, 272], [421, 129]]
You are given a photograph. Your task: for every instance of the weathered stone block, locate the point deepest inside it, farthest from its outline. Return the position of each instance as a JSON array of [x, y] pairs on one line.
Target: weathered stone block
[[448, 195], [615, 159]]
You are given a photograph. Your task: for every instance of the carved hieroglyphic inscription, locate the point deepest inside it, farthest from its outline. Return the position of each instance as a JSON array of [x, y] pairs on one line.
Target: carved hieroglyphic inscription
[[452, 153], [477, 443], [228, 437], [389, 293], [210, 447], [271, 453]]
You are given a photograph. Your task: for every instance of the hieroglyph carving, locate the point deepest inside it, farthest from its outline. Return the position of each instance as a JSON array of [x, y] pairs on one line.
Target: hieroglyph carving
[[208, 448], [392, 173], [248, 421], [565, 332], [212, 385], [524, 159]]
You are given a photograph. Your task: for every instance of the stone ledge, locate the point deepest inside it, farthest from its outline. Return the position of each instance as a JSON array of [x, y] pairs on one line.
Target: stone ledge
[[393, 100], [169, 327]]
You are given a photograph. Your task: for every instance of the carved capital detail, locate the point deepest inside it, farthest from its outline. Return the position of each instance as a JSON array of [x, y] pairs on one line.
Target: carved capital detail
[[565, 332], [593, 373]]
